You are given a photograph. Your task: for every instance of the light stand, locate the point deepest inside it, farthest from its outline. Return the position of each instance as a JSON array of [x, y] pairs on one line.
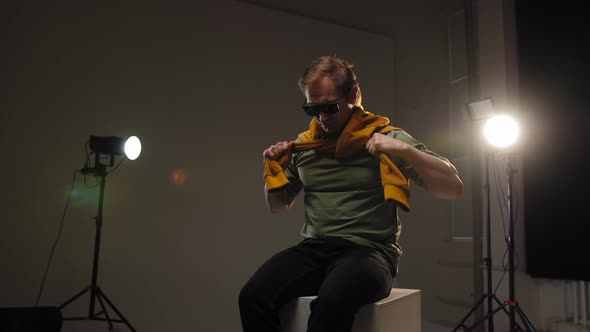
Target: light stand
[[489, 295], [96, 293], [500, 131], [513, 305], [511, 302]]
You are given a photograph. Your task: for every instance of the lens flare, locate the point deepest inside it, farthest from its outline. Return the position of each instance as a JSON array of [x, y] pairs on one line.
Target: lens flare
[[178, 177], [82, 195]]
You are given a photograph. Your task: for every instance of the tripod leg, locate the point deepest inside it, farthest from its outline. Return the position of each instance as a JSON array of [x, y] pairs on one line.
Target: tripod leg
[[488, 316], [74, 297], [506, 311], [502, 305], [117, 311], [525, 319], [491, 314], [512, 304], [104, 310], [462, 323]]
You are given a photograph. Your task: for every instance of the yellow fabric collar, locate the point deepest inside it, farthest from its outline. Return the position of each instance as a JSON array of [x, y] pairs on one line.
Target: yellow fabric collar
[[355, 135]]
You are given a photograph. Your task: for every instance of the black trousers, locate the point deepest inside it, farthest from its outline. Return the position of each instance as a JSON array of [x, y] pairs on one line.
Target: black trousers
[[344, 276]]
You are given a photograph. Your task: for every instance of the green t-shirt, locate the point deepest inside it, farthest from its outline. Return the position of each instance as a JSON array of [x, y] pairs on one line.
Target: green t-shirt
[[344, 197]]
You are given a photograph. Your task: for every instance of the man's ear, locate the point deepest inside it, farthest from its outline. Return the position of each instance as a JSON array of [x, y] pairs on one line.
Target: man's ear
[[354, 95]]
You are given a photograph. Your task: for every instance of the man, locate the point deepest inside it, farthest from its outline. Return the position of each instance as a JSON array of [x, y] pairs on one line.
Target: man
[[353, 168]]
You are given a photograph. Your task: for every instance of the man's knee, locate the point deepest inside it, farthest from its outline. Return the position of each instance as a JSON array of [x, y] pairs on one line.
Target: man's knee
[[248, 295], [332, 312], [351, 299], [335, 303]]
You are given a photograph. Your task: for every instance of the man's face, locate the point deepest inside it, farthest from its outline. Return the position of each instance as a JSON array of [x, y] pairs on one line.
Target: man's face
[[323, 91]]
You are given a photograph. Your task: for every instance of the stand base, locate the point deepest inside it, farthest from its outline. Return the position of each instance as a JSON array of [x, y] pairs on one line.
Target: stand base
[[502, 306], [100, 296]]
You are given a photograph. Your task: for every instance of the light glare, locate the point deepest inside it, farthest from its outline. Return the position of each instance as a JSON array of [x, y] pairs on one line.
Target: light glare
[[132, 148], [501, 131]]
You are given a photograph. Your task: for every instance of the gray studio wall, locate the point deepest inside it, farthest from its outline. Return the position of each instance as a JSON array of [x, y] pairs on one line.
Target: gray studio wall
[[206, 86], [433, 260]]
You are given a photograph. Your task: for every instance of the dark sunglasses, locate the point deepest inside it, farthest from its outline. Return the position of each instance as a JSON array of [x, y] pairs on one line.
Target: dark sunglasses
[[327, 108]]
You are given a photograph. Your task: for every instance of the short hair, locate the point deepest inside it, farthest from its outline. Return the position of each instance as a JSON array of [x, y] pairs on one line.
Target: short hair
[[339, 70]]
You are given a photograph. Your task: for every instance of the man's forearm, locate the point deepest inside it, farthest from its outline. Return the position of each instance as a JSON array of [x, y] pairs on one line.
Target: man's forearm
[[440, 177], [277, 200]]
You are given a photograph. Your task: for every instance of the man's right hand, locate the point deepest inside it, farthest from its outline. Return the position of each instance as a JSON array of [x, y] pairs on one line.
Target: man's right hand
[[275, 151]]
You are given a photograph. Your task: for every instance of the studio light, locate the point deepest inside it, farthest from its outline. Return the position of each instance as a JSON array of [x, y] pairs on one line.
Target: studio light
[[481, 110], [501, 131], [132, 148], [116, 146], [109, 147]]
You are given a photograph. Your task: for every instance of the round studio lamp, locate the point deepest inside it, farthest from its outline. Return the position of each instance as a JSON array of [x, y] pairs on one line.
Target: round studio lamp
[[132, 148], [501, 131]]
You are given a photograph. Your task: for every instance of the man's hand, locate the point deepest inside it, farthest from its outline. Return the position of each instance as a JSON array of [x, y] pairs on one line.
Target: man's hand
[[440, 177], [277, 150], [278, 200], [380, 143]]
